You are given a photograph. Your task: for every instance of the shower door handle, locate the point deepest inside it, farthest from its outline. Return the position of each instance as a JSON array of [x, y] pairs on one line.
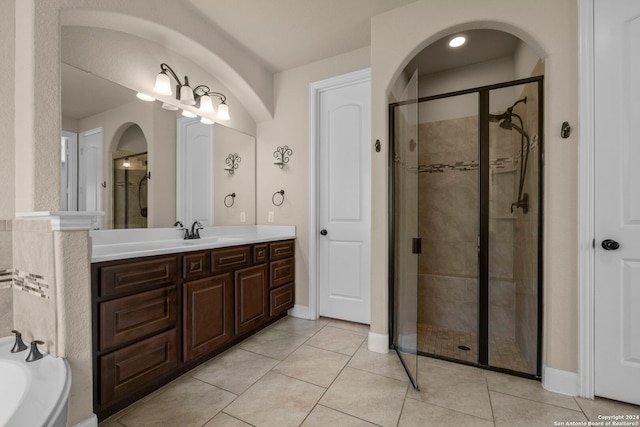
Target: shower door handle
[[416, 246]]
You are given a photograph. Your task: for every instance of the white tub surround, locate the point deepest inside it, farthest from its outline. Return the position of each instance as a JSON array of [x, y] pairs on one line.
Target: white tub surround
[[109, 245], [32, 393]]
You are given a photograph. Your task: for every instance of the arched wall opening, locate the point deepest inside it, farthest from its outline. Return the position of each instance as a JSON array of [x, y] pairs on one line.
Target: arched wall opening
[[466, 144], [550, 28]]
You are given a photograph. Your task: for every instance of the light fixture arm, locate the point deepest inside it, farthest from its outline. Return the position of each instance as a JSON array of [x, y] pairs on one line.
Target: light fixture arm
[[202, 90], [165, 68]]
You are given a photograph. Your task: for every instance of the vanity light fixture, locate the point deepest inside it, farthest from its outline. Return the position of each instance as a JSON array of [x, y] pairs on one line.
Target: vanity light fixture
[[200, 96], [282, 156], [232, 162], [186, 113], [206, 121], [457, 41]]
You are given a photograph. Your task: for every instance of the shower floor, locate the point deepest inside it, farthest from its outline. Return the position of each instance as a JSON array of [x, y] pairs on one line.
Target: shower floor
[[503, 353]]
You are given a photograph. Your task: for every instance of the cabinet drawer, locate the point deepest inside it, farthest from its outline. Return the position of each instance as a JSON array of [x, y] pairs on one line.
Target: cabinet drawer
[[230, 258], [136, 276], [281, 272], [281, 299], [130, 369], [128, 318], [279, 250], [260, 253], [196, 264]]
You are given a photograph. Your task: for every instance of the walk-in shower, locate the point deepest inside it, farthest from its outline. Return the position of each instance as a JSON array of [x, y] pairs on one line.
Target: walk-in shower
[[130, 191], [465, 209]]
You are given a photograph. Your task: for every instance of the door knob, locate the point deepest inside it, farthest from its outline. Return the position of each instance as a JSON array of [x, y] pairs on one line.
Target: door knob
[[610, 245], [323, 232]]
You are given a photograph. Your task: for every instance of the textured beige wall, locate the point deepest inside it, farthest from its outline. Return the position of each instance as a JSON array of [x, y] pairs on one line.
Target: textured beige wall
[[550, 27], [7, 169], [242, 181], [290, 126]]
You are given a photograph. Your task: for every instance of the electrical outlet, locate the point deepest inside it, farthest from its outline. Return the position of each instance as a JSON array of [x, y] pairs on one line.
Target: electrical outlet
[[243, 217], [270, 216]]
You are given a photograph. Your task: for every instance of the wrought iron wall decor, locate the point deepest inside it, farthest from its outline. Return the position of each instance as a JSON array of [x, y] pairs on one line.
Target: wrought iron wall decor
[[275, 197], [232, 162], [282, 156], [229, 199]]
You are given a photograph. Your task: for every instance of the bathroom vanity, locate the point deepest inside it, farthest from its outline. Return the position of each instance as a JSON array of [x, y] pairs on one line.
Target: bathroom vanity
[[158, 316]]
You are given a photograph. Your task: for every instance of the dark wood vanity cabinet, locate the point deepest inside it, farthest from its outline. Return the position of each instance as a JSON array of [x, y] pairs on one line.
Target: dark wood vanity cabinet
[[157, 317]]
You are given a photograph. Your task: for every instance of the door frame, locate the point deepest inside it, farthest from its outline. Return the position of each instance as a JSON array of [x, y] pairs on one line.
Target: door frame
[[315, 90], [586, 201]]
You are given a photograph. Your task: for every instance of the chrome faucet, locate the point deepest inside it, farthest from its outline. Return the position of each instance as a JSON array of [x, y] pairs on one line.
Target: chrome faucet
[[195, 231]]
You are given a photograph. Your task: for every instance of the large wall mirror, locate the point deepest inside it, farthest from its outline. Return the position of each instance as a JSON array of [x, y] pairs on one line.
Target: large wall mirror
[[145, 166]]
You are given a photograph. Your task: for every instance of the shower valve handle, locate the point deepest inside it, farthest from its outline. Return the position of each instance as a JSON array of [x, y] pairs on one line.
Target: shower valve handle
[[610, 245]]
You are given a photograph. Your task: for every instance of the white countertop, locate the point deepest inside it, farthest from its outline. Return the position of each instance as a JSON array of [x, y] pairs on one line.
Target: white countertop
[[109, 245]]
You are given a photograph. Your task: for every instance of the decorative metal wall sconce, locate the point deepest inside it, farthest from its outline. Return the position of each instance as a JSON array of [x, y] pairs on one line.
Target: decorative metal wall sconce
[[229, 199], [282, 156], [275, 197], [232, 162]]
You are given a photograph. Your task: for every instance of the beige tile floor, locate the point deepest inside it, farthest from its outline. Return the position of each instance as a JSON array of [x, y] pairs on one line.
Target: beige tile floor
[[320, 373]]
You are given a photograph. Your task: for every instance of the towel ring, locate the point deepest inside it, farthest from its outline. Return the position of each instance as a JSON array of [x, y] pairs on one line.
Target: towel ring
[[233, 199], [273, 198]]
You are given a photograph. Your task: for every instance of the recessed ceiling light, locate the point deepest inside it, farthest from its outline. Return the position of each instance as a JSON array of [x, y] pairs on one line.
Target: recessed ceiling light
[[457, 41]]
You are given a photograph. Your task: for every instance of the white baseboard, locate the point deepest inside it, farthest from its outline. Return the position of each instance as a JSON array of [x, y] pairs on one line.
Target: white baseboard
[[560, 381], [300, 311], [92, 421], [378, 343]]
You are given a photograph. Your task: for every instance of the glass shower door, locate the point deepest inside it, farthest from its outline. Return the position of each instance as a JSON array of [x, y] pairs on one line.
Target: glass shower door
[[404, 119]]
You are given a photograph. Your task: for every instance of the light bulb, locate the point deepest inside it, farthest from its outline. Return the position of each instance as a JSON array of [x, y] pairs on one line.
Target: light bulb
[[189, 114], [163, 84], [169, 107], [206, 121], [145, 97], [223, 112]]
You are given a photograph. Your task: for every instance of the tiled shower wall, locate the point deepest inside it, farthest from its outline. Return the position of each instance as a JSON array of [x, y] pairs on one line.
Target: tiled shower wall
[[6, 278], [448, 220]]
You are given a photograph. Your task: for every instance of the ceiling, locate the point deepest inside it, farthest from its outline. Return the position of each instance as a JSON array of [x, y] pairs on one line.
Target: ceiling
[[285, 34], [481, 45], [84, 94]]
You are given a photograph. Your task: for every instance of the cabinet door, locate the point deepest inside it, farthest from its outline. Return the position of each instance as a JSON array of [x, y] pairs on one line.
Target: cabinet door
[[208, 314], [251, 298]]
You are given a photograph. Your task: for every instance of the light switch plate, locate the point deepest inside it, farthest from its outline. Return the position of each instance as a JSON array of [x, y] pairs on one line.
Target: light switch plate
[[270, 216], [243, 217]]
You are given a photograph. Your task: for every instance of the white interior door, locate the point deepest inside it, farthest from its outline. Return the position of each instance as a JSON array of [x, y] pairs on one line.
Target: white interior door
[[194, 172], [90, 173], [344, 203], [617, 195], [69, 171]]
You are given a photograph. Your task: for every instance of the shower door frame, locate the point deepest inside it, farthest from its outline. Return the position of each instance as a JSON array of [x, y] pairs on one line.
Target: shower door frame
[[483, 256]]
